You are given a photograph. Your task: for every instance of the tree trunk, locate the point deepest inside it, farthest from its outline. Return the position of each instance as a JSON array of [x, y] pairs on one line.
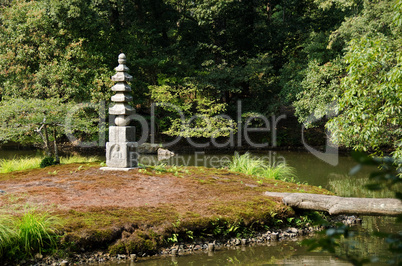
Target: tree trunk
[[335, 205], [49, 153], [56, 150]]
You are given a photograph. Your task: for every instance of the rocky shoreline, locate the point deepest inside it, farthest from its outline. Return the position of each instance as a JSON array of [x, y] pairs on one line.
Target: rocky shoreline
[[179, 249]]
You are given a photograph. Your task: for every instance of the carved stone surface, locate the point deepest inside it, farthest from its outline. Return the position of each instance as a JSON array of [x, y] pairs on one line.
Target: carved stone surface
[[121, 155]]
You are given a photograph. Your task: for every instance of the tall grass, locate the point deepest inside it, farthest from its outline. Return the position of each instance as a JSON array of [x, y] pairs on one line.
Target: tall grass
[[18, 164], [259, 168], [27, 235]]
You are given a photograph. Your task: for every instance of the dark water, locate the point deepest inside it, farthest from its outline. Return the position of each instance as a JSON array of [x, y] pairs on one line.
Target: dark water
[[11, 154], [308, 169], [289, 252]]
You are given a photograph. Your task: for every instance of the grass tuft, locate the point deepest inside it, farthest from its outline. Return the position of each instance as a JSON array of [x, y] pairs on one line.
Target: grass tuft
[[257, 167], [27, 235], [36, 231]]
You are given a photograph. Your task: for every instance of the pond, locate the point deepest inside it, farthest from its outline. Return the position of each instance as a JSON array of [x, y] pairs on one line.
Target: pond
[[308, 169]]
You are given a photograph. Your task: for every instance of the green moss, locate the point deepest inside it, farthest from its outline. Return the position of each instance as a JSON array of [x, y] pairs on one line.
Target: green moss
[[137, 243]]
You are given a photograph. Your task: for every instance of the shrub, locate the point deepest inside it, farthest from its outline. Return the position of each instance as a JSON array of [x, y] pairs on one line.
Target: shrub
[[47, 161]]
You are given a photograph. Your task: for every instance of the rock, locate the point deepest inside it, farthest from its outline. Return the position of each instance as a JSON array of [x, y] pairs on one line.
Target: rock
[[275, 236], [174, 252], [133, 257], [293, 230], [244, 241], [148, 148], [164, 154], [121, 256], [211, 247], [64, 263]]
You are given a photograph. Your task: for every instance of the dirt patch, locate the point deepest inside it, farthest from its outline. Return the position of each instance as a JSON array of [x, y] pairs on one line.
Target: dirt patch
[[68, 188]]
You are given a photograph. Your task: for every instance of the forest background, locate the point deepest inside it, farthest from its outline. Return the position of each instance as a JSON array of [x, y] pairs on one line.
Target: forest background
[[335, 58]]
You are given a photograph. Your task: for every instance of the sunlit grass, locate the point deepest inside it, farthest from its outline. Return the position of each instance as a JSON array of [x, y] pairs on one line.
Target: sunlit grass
[[18, 164], [28, 234], [259, 168], [79, 159]]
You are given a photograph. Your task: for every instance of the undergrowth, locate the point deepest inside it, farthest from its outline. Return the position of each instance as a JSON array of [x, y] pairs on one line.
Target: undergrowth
[[257, 167]]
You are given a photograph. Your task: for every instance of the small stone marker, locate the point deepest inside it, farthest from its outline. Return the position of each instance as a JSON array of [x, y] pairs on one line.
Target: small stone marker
[[121, 150]]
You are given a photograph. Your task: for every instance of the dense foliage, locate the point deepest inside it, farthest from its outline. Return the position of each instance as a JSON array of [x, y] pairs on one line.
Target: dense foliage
[[362, 85], [205, 55]]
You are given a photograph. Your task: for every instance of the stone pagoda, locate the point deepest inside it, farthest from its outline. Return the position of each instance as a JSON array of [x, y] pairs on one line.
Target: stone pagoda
[[121, 150]]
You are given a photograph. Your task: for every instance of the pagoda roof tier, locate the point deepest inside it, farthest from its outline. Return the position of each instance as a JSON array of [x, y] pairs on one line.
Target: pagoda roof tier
[[121, 68], [121, 109], [122, 76], [121, 87], [121, 97]]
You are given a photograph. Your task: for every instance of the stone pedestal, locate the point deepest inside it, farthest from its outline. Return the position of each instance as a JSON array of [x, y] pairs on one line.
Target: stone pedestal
[[121, 155], [121, 150]]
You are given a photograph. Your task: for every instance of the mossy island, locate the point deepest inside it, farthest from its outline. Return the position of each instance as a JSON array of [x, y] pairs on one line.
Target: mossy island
[[142, 210]]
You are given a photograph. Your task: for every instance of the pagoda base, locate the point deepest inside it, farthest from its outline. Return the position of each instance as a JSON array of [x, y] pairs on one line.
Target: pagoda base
[[117, 169], [122, 155]]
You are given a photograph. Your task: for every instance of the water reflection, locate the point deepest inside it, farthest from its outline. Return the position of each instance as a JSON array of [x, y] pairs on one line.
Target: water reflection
[[280, 253]]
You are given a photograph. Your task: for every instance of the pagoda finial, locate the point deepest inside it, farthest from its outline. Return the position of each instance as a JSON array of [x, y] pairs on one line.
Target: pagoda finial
[[121, 109], [122, 59]]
